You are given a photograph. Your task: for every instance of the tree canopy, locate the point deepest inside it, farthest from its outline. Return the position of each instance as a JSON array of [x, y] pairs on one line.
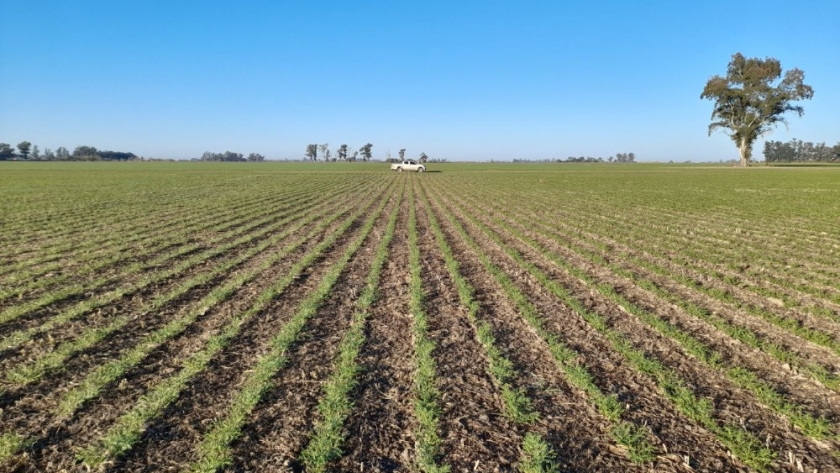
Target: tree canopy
[[24, 147], [6, 151], [366, 151], [749, 102], [311, 152]]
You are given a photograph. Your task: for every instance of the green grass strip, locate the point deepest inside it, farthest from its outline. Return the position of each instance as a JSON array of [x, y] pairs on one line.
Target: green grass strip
[[17, 311], [214, 450], [10, 444], [129, 427], [115, 253], [325, 443], [426, 404], [537, 456], [626, 433]]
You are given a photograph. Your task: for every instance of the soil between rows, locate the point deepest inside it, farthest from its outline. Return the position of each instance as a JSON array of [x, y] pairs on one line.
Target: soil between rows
[[744, 296], [568, 422], [120, 280], [143, 323], [171, 440], [379, 431], [738, 317], [806, 391], [731, 404], [59, 439], [280, 427], [644, 404], [475, 434]]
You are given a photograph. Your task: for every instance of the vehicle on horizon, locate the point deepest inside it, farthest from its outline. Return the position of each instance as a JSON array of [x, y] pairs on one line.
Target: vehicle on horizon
[[408, 165]]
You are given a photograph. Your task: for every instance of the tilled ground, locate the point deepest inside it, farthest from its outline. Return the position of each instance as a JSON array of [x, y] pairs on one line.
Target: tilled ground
[[732, 404], [380, 433], [677, 437], [64, 435], [474, 431], [279, 427], [379, 430], [569, 424]]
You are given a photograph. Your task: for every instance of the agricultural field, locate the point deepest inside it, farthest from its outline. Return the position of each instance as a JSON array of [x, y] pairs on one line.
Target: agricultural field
[[494, 318]]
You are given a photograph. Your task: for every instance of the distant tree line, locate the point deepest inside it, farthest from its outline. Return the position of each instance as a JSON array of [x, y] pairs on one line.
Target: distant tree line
[[797, 151], [230, 156], [321, 152], [344, 153], [618, 158], [30, 152]]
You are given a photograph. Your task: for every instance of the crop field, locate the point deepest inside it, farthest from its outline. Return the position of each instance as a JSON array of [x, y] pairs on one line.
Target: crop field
[[486, 317]]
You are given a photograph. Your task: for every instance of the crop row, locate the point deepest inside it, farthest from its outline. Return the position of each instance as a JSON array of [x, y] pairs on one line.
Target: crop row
[[743, 378], [251, 232], [106, 374]]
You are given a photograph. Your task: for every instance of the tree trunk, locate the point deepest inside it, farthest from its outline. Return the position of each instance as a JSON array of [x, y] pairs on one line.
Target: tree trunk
[[745, 152]]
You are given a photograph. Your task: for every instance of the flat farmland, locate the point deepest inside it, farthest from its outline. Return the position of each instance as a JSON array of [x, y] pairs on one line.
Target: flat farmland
[[483, 317]]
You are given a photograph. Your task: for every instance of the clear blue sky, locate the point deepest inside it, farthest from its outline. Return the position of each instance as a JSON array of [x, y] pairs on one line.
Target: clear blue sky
[[461, 80]]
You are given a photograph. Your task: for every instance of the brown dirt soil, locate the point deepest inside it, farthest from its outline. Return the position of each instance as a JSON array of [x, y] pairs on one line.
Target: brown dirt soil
[[807, 350], [665, 258], [79, 365], [280, 426], [93, 417], [116, 278], [807, 391], [741, 292], [379, 430], [677, 436], [475, 434], [567, 421], [732, 405]]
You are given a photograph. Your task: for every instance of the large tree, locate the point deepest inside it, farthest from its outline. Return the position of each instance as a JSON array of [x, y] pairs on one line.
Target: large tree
[[312, 152], [751, 100], [6, 151], [366, 151], [24, 147]]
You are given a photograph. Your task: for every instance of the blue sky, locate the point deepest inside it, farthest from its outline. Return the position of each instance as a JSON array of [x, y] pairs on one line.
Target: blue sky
[[461, 80]]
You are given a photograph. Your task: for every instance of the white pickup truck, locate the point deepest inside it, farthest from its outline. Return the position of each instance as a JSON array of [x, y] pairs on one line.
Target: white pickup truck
[[408, 165]]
